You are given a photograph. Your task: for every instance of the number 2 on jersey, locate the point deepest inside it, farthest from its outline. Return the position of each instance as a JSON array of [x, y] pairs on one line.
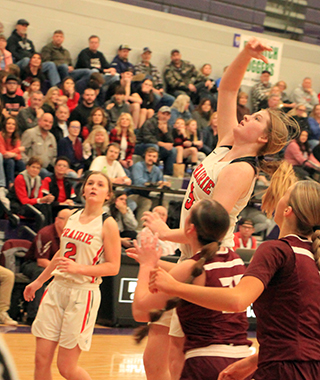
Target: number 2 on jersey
[[71, 251]]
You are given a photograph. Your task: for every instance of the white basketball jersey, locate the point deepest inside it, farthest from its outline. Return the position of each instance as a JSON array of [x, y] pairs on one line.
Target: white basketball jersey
[[201, 186], [83, 244]]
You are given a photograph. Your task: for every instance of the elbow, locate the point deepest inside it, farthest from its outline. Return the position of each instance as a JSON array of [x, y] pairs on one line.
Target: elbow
[[139, 313], [236, 305]]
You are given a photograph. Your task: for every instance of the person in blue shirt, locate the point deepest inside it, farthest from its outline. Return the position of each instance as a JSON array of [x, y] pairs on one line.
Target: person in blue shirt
[[145, 173], [120, 62]]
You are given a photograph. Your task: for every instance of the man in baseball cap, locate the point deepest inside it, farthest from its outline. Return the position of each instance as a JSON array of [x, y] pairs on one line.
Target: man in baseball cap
[[19, 45], [120, 61]]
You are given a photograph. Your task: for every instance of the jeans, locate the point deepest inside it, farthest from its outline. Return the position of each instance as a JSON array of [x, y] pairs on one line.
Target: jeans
[[48, 68], [2, 175], [10, 167], [164, 100]]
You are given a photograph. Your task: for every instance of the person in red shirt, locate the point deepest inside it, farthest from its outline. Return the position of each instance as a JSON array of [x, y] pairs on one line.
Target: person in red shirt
[[26, 197], [10, 148], [59, 186], [68, 90], [243, 238]]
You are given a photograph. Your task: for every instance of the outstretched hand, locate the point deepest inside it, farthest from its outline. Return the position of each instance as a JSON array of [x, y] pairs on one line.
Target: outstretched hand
[[162, 281], [153, 221], [255, 47], [148, 251]]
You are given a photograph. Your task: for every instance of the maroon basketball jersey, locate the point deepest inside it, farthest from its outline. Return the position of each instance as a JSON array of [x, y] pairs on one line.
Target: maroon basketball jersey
[[288, 310], [204, 327]]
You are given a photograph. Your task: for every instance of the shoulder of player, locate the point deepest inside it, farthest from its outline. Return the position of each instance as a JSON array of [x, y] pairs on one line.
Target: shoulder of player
[[238, 169]]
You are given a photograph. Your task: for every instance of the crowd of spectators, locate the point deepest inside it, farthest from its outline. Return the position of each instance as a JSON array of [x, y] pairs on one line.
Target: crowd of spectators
[[96, 115]]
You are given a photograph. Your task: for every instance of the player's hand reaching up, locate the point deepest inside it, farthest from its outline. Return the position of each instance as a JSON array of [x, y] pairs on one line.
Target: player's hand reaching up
[[255, 47]]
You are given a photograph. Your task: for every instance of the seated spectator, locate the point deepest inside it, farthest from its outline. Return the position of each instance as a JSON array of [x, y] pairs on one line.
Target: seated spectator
[[180, 108], [242, 108], [22, 49], [10, 148], [31, 71], [95, 145], [84, 108], [273, 92], [71, 147], [68, 89], [147, 106], [91, 58], [35, 85], [116, 106], [287, 104], [274, 102], [28, 117], [299, 113], [59, 185], [181, 76], [60, 126], [210, 135], [182, 143], [26, 196], [203, 113], [110, 165], [243, 238], [300, 156], [5, 55], [124, 135], [122, 214], [145, 173], [96, 119], [120, 62], [43, 248], [3, 78], [314, 123], [39, 142], [11, 101], [305, 95], [56, 53], [131, 97], [6, 285], [145, 67], [206, 88], [52, 100], [19, 45], [157, 133], [195, 136], [260, 91]]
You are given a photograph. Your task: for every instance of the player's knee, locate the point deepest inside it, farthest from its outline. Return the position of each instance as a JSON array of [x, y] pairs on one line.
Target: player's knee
[[42, 360]]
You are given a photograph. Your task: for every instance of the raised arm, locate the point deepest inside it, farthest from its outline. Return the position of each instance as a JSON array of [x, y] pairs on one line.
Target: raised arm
[[229, 86]]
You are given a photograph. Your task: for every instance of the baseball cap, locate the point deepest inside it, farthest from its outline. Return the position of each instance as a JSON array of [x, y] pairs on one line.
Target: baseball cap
[[22, 21], [246, 222], [164, 109], [175, 51], [124, 46], [266, 72], [146, 49], [12, 78]]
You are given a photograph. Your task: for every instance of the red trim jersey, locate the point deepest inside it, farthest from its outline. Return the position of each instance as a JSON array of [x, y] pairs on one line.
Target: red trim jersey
[[201, 186], [204, 327], [82, 243], [288, 310], [240, 243]]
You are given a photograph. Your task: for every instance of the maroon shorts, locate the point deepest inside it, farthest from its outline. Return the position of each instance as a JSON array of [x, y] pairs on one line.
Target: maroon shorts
[[205, 367], [288, 370]]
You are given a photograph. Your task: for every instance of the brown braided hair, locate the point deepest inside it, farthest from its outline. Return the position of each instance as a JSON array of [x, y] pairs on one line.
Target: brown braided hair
[[211, 222]]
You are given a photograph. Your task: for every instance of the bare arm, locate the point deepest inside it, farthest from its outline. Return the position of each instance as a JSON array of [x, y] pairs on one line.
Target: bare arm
[[229, 86], [43, 262], [235, 299]]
